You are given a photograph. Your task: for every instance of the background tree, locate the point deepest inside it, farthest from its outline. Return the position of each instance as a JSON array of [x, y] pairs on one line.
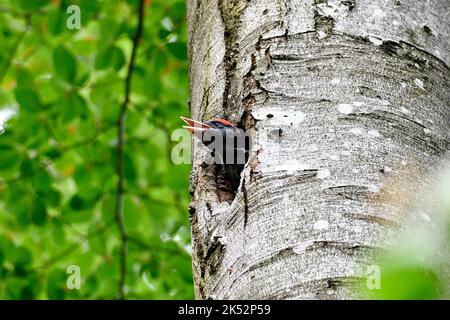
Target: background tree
[[58, 154], [339, 96]]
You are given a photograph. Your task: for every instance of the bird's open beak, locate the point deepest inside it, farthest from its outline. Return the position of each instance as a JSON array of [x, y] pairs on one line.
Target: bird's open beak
[[195, 126]]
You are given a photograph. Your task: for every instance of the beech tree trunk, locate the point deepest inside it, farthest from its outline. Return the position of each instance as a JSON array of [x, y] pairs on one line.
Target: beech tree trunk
[[339, 97]]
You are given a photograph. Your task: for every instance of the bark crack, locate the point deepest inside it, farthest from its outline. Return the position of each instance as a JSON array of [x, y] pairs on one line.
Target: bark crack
[[245, 194], [393, 48], [230, 12], [322, 23], [199, 250]]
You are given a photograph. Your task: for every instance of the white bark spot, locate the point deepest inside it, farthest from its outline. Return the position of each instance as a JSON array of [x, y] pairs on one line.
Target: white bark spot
[[404, 110], [425, 217], [358, 104], [426, 130], [321, 225], [299, 116], [374, 133], [357, 131], [220, 208], [335, 81], [385, 103], [334, 157], [323, 173], [321, 34], [326, 9], [345, 108], [373, 188], [387, 169], [378, 12], [420, 84], [438, 54], [403, 163], [314, 147], [301, 247]]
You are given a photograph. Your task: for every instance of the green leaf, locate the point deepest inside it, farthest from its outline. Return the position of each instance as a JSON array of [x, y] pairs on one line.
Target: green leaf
[[57, 232], [110, 57], [2, 259], [130, 169], [397, 284], [56, 284], [77, 203], [82, 80], [9, 156], [56, 21], [33, 4], [83, 200], [21, 257], [24, 78], [39, 212], [103, 58], [21, 210], [28, 99], [178, 49], [52, 197], [23, 288], [65, 63], [73, 106], [42, 180], [118, 58], [132, 212]]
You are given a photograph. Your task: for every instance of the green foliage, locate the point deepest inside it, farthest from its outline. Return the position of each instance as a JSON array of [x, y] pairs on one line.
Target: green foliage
[[65, 63], [58, 152], [404, 277], [418, 266]]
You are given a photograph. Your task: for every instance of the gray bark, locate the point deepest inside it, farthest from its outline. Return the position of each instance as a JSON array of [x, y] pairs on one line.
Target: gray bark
[[339, 97]]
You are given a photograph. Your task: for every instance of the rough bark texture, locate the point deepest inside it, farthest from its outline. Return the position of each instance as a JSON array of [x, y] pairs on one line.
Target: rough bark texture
[[339, 96]]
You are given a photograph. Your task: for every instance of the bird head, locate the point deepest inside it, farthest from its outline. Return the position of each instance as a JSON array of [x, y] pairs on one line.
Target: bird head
[[214, 126], [228, 144], [220, 136], [195, 126]]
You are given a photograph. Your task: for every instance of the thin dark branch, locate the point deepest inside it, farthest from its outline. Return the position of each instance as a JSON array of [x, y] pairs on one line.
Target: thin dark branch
[[148, 246], [21, 14], [72, 248], [62, 149], [87, 140], [12, 52], [121, 154]]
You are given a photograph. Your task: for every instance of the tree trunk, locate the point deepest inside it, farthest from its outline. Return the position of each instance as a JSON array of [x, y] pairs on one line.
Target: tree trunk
[[339, 97]]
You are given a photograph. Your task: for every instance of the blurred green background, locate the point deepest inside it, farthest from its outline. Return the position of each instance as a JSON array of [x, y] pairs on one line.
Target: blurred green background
[[60, 95]]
